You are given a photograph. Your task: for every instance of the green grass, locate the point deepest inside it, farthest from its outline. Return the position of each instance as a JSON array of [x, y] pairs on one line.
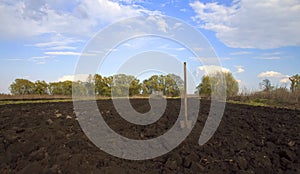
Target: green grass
[[255, 102], [251, 103], [265, 103], [33, 101]]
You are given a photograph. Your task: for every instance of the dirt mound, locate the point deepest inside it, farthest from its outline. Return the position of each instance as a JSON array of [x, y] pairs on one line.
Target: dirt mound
[[46, 138]]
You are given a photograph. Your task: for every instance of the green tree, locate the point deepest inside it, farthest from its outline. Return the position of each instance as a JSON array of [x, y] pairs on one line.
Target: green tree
[[135, 87], [67, 87], [107, 89], [266, 85], [22, 87], [55, 88], [295, 82], [212, 83], [40, 87], [103, 85], [78, 89], [232, 85], [125, 84], [90, 85], [61, 88], [173, 85], [204, 87], [151, 84], [170, 85]]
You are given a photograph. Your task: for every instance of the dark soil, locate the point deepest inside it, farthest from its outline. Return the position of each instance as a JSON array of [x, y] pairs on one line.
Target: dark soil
[[46, 138]]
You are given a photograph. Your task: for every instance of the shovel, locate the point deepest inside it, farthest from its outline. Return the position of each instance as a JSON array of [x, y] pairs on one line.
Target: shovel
[[186, 123]]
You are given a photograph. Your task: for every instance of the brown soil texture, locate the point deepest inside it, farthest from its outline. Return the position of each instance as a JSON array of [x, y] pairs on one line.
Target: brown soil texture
[[47, 138]]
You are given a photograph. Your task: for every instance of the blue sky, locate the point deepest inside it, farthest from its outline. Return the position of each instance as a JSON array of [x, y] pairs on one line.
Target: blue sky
[[254, 39]]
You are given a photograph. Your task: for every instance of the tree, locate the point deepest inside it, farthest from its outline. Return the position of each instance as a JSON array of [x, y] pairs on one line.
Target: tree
[[40, 88], [151, 84], [55, 88], [90, 86], [204, 87], [232, 85], [295, 82], [135, 87], [173, 85], [212, 83], [67, 87], [102, 85], [22, 87], [124, 85], [61, 88], [78, 89], [266, 85], [169, 85]]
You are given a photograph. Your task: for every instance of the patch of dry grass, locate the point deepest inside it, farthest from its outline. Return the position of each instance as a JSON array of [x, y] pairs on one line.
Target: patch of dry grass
[[280, 97]]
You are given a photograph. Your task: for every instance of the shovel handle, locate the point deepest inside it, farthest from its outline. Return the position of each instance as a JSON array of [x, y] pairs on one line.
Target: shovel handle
[[185, 92]]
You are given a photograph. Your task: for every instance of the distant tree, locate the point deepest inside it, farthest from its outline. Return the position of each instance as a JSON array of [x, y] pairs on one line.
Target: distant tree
[[232, 85], [22, 87], [40, 88], [55, 88], [67, 87], [173, 85], [61, 88], [78, 89], [103, 85], [169, 85], [212, 83], [90, 85], [107, 88], [204, 87], [151, 84], [295, 82], [135, 87], [124, 85], [266, 85]]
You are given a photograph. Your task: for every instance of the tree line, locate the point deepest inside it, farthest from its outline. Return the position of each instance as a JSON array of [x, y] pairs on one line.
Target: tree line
[[118, 85], [121, 85], [267, 86]]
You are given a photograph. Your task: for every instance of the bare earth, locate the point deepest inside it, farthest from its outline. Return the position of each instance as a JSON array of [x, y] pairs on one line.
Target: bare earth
[[46, 138]]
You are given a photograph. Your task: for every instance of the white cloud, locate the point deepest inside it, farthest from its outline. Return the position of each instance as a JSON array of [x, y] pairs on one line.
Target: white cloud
[[12, 59], [39, 59], [77, 77], [61, 48], [275, 75], [160, 22], [67, 53], [168, 47], [268, 58], [211, 69], [270, 74], [285, 80], [240, 53], [240, 69], [252, 23], [58, 42], [63, 53], [183, 9], [272, 54], [180, 49], [80, 18]]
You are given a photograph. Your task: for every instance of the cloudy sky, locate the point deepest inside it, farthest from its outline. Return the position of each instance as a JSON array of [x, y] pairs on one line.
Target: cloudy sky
[[254, 39]]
